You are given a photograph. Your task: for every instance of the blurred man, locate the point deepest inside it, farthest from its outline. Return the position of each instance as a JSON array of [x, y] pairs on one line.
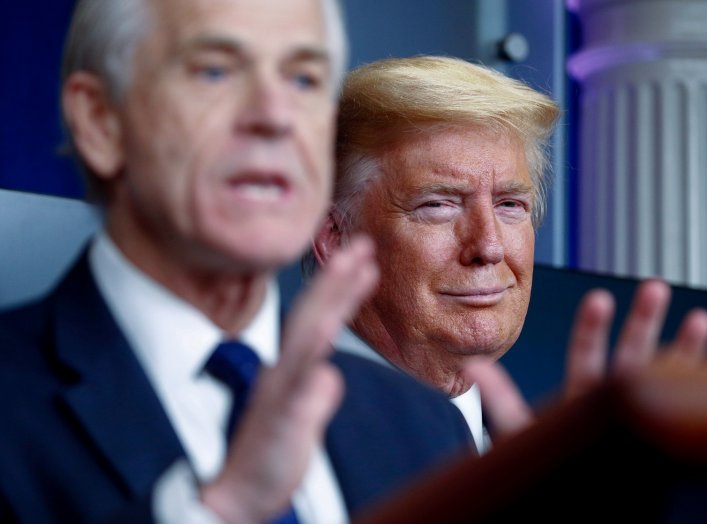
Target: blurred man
[[205, 128], [443, 163]]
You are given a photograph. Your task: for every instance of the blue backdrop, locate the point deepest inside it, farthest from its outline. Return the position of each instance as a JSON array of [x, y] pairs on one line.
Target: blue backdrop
[[31, 39]]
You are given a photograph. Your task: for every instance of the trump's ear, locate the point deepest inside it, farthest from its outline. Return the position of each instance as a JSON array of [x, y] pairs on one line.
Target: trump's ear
[[327, 240], [93, 123]]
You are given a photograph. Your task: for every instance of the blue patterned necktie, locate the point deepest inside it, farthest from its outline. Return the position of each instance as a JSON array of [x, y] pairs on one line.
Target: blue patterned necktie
[[237, 365]]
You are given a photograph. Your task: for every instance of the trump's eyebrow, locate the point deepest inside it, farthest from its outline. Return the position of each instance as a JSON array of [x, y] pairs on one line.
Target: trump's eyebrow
[[455, 188], [515, 187]]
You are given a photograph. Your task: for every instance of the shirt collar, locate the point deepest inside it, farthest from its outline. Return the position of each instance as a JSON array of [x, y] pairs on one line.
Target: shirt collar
[[349, 342], [168, 334]]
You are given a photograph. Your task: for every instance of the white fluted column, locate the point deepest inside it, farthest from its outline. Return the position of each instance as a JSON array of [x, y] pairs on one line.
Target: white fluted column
[[643, 139]]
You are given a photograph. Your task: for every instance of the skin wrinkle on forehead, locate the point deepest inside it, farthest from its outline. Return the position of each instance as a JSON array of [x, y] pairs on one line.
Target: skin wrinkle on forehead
[[457, 180]]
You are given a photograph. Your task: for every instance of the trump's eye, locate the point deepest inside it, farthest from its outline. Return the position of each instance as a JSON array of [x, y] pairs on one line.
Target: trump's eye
[[511, 204], [514, 203], [436, 211], [513, 209]]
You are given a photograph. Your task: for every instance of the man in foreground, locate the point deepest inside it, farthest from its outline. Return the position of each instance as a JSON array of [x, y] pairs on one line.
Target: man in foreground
[[205, 128]]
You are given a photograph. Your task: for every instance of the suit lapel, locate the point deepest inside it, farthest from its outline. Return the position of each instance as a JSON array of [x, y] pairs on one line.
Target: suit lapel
[[112, 399]]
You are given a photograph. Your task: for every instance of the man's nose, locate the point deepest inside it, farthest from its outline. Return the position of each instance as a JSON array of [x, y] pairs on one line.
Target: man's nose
[[267, 109], [481, 238]]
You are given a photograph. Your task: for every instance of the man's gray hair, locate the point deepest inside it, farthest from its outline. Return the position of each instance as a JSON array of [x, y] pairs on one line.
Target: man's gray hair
[[102, 39]]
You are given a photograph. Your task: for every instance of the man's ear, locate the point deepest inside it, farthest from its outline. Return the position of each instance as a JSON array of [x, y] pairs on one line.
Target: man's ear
[[327, 240], [94, 123]]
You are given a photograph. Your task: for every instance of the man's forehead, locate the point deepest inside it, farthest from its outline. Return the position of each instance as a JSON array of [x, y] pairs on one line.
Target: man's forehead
[[189, 14], [295, 30]]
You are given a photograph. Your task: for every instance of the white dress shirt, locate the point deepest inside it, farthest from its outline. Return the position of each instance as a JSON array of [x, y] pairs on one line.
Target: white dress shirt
[[469, 403], [173, 340]]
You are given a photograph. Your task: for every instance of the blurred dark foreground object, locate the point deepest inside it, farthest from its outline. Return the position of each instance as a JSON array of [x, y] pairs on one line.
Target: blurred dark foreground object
[[631, 450]]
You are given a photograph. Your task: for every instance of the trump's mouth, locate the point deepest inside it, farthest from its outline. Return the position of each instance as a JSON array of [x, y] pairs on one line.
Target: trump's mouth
[[487, 296]]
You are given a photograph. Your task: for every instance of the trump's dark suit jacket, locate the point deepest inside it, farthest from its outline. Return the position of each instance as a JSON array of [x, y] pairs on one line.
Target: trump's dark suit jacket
[[85, 438]]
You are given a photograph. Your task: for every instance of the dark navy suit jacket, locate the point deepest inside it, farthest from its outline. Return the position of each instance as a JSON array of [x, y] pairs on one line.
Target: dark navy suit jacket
[[85, 438]]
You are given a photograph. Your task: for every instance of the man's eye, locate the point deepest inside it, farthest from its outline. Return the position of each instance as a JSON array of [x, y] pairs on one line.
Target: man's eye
[[305, 81], [212, 73]]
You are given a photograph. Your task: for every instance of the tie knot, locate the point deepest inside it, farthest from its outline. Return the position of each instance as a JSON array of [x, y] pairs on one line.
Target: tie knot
[[235, 364]]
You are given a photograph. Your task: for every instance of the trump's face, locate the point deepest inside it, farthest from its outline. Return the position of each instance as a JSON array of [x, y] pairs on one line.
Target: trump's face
[[451, 218], [225, 134]]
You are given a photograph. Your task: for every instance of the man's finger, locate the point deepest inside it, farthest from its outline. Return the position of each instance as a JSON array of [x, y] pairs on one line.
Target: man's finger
[[328, 302], [639, 338], [505, 410], [690, 344], [587, 352]]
